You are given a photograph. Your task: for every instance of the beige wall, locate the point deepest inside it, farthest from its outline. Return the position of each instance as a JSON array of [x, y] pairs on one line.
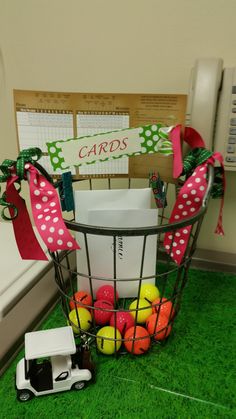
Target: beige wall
[[114, 46]]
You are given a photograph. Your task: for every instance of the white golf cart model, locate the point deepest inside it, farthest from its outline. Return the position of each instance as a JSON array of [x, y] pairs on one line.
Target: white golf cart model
[[52, 363]]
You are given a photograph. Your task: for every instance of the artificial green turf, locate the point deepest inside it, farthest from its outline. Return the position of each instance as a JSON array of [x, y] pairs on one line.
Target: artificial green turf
[[192, 376]]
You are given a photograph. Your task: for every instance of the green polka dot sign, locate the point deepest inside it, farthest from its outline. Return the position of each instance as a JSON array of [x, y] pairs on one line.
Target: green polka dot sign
[[147, 139]]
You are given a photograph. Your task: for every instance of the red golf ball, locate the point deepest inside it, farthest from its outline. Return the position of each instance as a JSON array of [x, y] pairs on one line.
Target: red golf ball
[[122, 320]]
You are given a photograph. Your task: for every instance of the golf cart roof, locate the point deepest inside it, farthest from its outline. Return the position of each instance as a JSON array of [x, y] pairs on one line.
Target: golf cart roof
[[50, 342]]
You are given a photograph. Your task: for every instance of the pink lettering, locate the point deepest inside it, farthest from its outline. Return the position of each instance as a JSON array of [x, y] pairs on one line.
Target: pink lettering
[[102, 147], [114, 146], [92, 150], [80, 152], [124, 143]]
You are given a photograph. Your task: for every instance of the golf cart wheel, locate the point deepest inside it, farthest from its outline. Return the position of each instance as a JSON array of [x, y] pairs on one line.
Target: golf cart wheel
[[24, 395], [79, 385]]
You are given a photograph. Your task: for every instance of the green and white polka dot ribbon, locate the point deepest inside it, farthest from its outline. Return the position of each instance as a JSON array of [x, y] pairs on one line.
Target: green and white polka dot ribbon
[[110, 145], [155, 138]]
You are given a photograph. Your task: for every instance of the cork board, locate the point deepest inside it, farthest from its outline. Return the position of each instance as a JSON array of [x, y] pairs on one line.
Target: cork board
[[43, 116]]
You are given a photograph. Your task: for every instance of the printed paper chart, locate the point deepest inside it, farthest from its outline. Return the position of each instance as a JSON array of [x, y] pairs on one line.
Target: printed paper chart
[[43, 116], [35, 127]]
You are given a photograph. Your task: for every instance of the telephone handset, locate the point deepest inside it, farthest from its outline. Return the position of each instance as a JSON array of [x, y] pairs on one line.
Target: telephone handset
[[211, 107]]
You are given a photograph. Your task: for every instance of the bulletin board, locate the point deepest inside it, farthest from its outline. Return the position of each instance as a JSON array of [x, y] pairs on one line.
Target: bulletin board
[[48, 116]]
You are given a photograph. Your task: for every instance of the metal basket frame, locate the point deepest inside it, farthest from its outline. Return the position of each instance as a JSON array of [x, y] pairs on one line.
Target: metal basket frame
[[173, 277]]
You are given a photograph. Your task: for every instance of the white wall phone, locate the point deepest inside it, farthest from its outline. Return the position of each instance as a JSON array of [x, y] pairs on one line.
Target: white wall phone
[[211, 107]]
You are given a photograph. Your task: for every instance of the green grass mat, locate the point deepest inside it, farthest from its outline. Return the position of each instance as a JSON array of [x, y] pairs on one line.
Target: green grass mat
[[192, 376]]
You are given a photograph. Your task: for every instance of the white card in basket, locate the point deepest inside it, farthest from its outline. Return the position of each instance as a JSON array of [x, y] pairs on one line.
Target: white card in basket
[[110, 199], [128, 251]]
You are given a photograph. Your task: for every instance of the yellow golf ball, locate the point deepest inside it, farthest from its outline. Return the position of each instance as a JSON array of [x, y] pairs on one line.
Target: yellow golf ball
[[144, 310], [85, 319], [149, 291], [104, 344]]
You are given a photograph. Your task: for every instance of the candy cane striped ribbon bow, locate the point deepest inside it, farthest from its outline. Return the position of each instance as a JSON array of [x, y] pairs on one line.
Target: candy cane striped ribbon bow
[[45, 205]]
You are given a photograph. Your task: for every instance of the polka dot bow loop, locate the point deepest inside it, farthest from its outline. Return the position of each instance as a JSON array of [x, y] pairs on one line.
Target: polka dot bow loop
[[188, 203], [47, 213]]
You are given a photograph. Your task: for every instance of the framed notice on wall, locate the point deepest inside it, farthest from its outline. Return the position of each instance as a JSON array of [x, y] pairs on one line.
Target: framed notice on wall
[[44, 117]]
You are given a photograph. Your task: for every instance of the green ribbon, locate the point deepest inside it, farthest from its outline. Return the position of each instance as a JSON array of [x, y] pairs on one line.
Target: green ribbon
[[8, 205], [198, 156], [30, 155], [5, 168], [195, 157], [217, 189]]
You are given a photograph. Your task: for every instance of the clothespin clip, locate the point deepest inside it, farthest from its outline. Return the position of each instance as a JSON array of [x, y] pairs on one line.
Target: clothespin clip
[[158, 188], [66, 192]]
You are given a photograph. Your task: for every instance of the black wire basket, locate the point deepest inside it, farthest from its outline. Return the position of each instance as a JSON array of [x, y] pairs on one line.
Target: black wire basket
[[170, 280]]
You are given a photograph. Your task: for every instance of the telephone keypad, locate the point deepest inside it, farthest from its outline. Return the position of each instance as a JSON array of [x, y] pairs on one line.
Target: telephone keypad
[[230, 149], [231, 159]]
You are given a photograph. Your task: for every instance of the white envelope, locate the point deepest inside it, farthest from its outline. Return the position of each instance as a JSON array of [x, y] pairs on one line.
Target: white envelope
[[129, 249], [110, 199]]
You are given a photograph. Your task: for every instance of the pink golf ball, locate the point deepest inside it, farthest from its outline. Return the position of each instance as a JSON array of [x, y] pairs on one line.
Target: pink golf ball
[[107, 293], [123, 319], [101, 316]]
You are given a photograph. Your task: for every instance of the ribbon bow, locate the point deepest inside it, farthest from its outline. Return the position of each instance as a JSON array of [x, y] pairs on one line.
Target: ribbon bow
[[8, 167], [45, 205], [29, 155], [191, 137], [190, 197]]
